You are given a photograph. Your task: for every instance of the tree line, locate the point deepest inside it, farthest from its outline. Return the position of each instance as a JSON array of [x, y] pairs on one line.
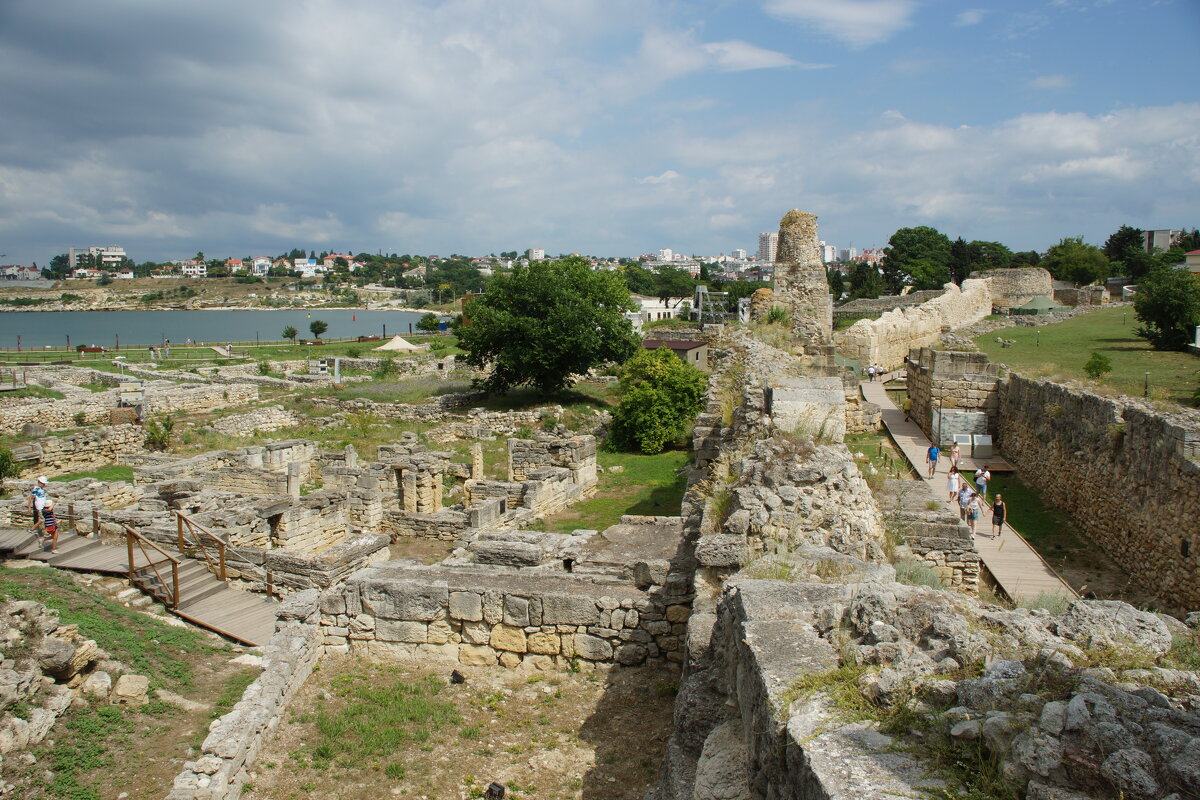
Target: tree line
[[925, 258]]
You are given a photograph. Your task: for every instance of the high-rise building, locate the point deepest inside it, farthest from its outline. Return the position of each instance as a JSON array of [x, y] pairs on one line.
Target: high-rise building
[[847, 253], [1163, 240], [103, 257], [767, 242], [537, 254], [828, 253]]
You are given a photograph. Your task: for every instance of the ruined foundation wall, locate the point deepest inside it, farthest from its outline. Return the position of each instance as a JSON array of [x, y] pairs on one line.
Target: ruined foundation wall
[[232, 746], [956, 384], [500, 616], [1127, 474], [55, 455], [886, 341]]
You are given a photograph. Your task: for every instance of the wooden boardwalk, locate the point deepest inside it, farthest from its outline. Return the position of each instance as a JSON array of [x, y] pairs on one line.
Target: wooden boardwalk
[[1013, 563], [204, 600]]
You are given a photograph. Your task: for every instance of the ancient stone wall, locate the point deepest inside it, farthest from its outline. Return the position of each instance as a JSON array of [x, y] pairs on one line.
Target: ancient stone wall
[[574, 453], [878, 305], [233, 743], [263, 420], [801, 284], [79, 452], [446, 525], [499, 616], [1127, 474], [1016, 287], [887, 340], [953, 392], [1082, 296]]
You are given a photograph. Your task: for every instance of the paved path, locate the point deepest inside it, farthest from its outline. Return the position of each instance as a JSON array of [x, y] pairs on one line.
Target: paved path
[[1014, 565]]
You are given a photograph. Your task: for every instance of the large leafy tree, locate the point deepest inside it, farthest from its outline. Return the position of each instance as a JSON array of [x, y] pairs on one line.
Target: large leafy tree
[[1074, 260], [318, 326], [918, 256], [662, 395], [545, 322], [865, 280], [674, 282], [1126, 250], [1168, 305]]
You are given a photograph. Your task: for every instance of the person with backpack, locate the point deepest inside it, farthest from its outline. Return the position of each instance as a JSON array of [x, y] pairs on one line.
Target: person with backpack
[[50, 523]]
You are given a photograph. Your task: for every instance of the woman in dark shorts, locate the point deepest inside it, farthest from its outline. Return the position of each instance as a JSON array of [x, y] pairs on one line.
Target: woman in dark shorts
[[998, 513]]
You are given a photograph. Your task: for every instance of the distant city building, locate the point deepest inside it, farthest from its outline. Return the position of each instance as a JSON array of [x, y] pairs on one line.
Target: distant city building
[[666, 255], [828, 253], [104, 257], [261, 265], [537, 254], [739, 254], [767, 242], [194, 268], [16, 272], [1191, 261], [1163, 240], [847, 254], [869, 256]]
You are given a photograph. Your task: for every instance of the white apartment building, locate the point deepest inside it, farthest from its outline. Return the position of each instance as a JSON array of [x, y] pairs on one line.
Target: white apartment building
[[767, 244], [666, 254], [739, 254], [107, 257], [261, 265], [828, 253], [194, 268], [537, 254]]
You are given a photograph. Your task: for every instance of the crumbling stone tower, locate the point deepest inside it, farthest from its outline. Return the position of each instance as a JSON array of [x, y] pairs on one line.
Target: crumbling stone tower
[[800, 284]]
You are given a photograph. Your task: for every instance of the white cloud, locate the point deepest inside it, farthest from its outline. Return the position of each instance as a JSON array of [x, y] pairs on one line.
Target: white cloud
[[735, 56], [856, 22], [1052, 82], [972, 16], [666, 177]]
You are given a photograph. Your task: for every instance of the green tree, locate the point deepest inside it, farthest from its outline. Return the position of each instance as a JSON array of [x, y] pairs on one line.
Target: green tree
[[8, 466], [674, 282], [1073, 260], [865, 280], [1097, 366], [318, 326], [662, 395], [906, 248], [836, 281], [290, 332], [429, 323], [1126, 250], [1167, 304], [639, 279], [545, 322]]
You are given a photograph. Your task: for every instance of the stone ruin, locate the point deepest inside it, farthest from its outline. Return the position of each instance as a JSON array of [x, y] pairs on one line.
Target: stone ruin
[[801, 285]]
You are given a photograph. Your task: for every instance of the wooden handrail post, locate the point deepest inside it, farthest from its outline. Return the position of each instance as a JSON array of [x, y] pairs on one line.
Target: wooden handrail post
[[71, 516], [129, 551], [270, 592], [175, 584], [96, 522], [179, 529], [221, 553]]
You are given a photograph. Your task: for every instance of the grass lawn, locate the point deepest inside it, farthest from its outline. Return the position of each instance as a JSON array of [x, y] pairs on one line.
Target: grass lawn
[[113, 472], [648, 485], [1066, 346]]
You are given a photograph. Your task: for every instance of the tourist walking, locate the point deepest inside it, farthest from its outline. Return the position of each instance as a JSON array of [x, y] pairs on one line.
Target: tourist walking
[[906, 404], [974, 510], [955, 455], [931, 458], [964, 500], [50, 523], [952, 484], [999, 512], [37, 498], [982, 478], [871, 372]]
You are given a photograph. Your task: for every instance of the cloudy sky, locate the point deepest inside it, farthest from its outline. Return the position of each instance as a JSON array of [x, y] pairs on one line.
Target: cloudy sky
[[609, 127]]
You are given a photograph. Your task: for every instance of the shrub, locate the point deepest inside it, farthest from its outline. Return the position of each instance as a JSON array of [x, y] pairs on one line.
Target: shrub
[[353, 352], [8, 466], [1097, 366], [158, 433], [386, 367], [264, 368], [79, 418], [779, 314], [917, 573], [662, 396]]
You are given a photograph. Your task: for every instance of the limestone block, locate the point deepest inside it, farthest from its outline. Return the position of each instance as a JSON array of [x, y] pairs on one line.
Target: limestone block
[[510, 660], [439, 632], [543, 643], [563, 609], [516, 611], [130, 690], [476, 633], [405, 600], [508, 638], [98, 684], [473, 655], [401, 631], [466, 606], [592, 648]]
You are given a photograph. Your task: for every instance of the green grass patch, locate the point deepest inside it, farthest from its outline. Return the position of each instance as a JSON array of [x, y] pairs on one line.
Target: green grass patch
[[1066, 346], [648, 485], [151, 648], [232, 692], [113, 472], [376, 714], [33, 390], [1051, 532], [85, 749]]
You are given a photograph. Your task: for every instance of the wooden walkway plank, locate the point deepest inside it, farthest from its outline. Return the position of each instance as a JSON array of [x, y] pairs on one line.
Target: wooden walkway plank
[[1018, 569], [231, 612]]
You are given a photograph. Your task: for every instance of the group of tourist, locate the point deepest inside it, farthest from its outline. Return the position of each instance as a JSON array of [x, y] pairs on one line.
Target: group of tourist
[[971, 500], [41, 507], [874, 371]]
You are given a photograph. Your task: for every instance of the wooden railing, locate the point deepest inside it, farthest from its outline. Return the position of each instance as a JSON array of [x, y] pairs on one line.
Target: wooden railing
[[191, 537], [138, 577]]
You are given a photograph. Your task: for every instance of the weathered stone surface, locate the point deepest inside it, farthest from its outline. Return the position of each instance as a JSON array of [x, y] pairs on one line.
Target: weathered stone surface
[[592, 648], [130, 690], [721, 768], [509, 639], [466, 606]]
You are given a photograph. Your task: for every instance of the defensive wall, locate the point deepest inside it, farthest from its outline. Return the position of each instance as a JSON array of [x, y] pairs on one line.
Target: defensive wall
[[1128, 474]]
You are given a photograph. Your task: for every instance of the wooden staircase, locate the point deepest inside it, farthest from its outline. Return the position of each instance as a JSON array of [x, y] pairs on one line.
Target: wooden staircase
[[186, 586]]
